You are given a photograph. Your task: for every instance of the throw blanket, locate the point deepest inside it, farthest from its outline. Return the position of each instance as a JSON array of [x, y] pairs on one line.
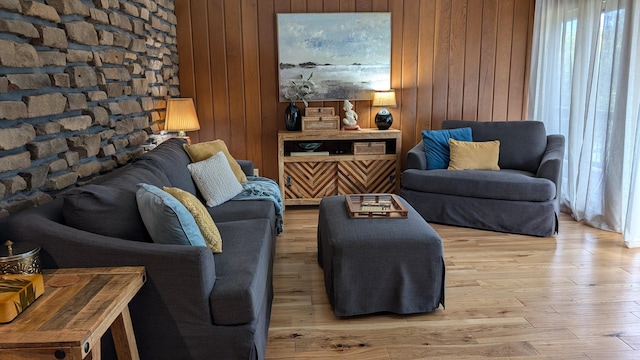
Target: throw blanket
[[260, 188]]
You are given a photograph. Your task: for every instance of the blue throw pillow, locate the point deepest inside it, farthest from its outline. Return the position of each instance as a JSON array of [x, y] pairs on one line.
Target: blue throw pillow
[[436, 145], [166, 219]]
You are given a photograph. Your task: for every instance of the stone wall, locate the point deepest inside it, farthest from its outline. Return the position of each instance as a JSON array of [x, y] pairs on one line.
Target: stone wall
[[82, 83]]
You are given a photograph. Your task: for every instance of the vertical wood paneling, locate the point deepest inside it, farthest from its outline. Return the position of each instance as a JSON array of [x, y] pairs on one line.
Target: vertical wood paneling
[[457, 40], [347, 5], [463, 59], [298, 6], [235, 73], [218, 74], [519, 60], [408, 88], [331, 5], [396, 7], [441, 62], [487, 60], [472, 60], [424, 100], [185, 49], [503, 59], [251, 81], [364, 5], [201, 61]]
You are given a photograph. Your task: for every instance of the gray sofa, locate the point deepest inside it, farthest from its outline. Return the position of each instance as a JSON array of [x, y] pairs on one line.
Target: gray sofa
[[195, 304], [520, 198]]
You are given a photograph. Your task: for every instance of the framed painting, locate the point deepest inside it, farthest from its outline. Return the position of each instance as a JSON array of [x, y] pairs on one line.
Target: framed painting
[[347, 55]]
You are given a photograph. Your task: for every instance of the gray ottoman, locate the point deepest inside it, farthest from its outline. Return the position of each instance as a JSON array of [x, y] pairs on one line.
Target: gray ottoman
[[379, 265]]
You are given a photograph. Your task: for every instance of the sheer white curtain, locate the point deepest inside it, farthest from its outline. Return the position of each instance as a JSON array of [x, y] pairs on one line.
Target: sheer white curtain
[[585, 84]]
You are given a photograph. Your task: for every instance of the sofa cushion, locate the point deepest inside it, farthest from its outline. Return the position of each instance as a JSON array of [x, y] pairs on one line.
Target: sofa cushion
[[436, 145], [202, 217], [215, 179], [522, 143], [204, 150], [243, 271], [172, 159], [101, 208], [504, 184], [243, 210], [470, 155], [166, 219]]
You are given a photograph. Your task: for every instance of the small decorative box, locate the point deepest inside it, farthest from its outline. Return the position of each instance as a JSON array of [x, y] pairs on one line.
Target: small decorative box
[[17, 292], [319, 111], [19, 258], [320, 123], [369, 148]]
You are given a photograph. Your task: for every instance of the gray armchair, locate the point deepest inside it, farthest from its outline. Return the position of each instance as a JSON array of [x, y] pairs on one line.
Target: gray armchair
[[520, 198]]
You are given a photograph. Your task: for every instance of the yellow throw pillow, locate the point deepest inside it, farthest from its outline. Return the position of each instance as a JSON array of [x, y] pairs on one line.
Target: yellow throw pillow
[[204, 150], [466, 155], [202, 217]]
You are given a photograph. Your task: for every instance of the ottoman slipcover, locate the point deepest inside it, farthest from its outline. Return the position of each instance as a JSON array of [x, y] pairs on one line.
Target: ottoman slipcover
[[379, 265]]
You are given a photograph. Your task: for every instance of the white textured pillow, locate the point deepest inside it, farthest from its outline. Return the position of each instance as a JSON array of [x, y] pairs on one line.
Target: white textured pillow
[[215, 179]]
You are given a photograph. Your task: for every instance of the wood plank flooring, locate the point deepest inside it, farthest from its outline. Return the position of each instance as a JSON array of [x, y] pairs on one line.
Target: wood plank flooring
[[572, 296]]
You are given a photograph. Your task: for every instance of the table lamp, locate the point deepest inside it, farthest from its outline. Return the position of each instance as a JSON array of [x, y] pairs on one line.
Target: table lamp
[[181, 117], [386, 98]]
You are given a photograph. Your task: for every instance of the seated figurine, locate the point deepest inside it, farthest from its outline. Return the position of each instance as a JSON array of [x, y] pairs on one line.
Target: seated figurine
[[351, 118]]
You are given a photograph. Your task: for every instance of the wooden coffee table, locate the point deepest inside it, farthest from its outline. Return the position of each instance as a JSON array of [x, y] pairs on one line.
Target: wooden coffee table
[[76, 309]]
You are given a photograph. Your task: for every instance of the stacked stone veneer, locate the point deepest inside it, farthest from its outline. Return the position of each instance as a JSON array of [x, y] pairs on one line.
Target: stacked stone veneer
[[82, 82]]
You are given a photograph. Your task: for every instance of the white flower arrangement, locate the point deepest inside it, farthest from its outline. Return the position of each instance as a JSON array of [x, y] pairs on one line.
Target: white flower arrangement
[[300, 90]]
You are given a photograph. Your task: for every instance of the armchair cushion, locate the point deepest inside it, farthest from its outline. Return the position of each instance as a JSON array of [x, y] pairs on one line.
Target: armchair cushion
[[522, 143], [436, 145], [511, 185], [469, 155]]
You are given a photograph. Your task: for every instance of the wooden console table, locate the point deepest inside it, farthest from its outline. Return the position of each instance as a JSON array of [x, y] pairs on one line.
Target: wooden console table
[[337, 167], [76, 309]]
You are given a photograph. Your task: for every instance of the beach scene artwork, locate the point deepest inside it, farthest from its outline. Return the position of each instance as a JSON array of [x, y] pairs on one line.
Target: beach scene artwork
[[349, 54]]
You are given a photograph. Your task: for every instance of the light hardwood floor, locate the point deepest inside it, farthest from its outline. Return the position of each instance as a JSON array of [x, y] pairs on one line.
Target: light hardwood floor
[[572, 296]]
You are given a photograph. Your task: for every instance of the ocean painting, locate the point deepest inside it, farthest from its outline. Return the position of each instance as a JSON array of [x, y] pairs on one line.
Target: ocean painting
[[349, 54]]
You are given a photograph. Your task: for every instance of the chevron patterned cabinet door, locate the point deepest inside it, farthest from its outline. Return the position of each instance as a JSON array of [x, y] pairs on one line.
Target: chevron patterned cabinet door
[[310, 180], [366, 176]]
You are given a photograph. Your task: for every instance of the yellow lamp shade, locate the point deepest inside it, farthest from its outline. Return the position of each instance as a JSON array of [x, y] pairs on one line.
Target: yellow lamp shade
[[386, 98], [181, 116]]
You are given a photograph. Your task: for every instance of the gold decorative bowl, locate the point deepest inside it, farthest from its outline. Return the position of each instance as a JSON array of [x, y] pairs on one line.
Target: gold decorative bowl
[[19, 258]]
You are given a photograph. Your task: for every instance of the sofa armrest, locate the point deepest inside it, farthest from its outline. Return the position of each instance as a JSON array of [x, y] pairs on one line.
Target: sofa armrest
[[551, 163], [246, 166], [416, 158], [180, 278]]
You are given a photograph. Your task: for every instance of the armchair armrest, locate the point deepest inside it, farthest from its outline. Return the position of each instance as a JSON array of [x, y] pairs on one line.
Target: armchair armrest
[[551, 163], [246, 166], [416, 158]]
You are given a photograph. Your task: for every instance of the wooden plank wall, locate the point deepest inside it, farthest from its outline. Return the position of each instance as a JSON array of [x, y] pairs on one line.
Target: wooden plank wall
[[451, 59]]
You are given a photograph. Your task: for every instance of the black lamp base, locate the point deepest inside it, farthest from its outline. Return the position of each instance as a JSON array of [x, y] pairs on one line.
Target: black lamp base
[[384, 121]]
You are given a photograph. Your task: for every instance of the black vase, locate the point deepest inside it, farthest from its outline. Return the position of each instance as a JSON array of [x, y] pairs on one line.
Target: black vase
[[293, 118], [384, 119]]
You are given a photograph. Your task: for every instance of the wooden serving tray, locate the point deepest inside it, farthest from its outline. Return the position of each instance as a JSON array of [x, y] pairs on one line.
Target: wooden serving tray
[[373, 206]]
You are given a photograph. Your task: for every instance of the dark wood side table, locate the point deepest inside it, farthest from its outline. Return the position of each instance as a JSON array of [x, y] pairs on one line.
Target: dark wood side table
[[76, 309]]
